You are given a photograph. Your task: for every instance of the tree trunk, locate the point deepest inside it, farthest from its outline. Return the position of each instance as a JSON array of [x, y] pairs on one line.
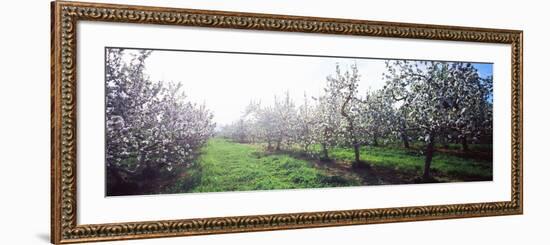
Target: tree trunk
[[325, 151], [428, 161], [351, 131], [241, 138], [404, 135], [464, 144], [278, 147], [356, 149], [405, 139], [375, 141]]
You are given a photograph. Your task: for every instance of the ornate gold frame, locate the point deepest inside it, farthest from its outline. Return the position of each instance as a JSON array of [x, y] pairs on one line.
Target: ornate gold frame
[[65, 15]]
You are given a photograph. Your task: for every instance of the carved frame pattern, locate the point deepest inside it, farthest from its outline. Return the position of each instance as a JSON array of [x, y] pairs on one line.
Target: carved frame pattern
[[65, 15]]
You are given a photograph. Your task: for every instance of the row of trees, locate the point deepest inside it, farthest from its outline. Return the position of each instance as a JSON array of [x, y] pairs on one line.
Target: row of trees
[[150, 127], [422, 101]]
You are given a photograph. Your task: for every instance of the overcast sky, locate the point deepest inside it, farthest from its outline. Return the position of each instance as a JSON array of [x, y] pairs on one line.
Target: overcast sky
[[227, 82]]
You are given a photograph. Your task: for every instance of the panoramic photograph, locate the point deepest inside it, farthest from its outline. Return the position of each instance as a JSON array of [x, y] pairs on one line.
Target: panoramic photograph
[[196, 121]]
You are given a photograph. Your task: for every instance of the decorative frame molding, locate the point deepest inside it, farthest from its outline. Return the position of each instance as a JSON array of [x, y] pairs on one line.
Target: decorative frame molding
[[65, 16]]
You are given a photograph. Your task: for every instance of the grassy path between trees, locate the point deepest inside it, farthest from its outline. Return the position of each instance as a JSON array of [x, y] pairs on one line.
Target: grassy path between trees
[[229, 166]]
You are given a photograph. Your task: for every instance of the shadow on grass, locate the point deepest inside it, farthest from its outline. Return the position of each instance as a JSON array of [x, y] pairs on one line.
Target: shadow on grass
[[364, 172], [372, 173]]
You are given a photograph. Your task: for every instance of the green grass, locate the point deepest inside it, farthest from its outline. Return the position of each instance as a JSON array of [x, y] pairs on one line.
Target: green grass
[[228, 166], [413, 161]]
